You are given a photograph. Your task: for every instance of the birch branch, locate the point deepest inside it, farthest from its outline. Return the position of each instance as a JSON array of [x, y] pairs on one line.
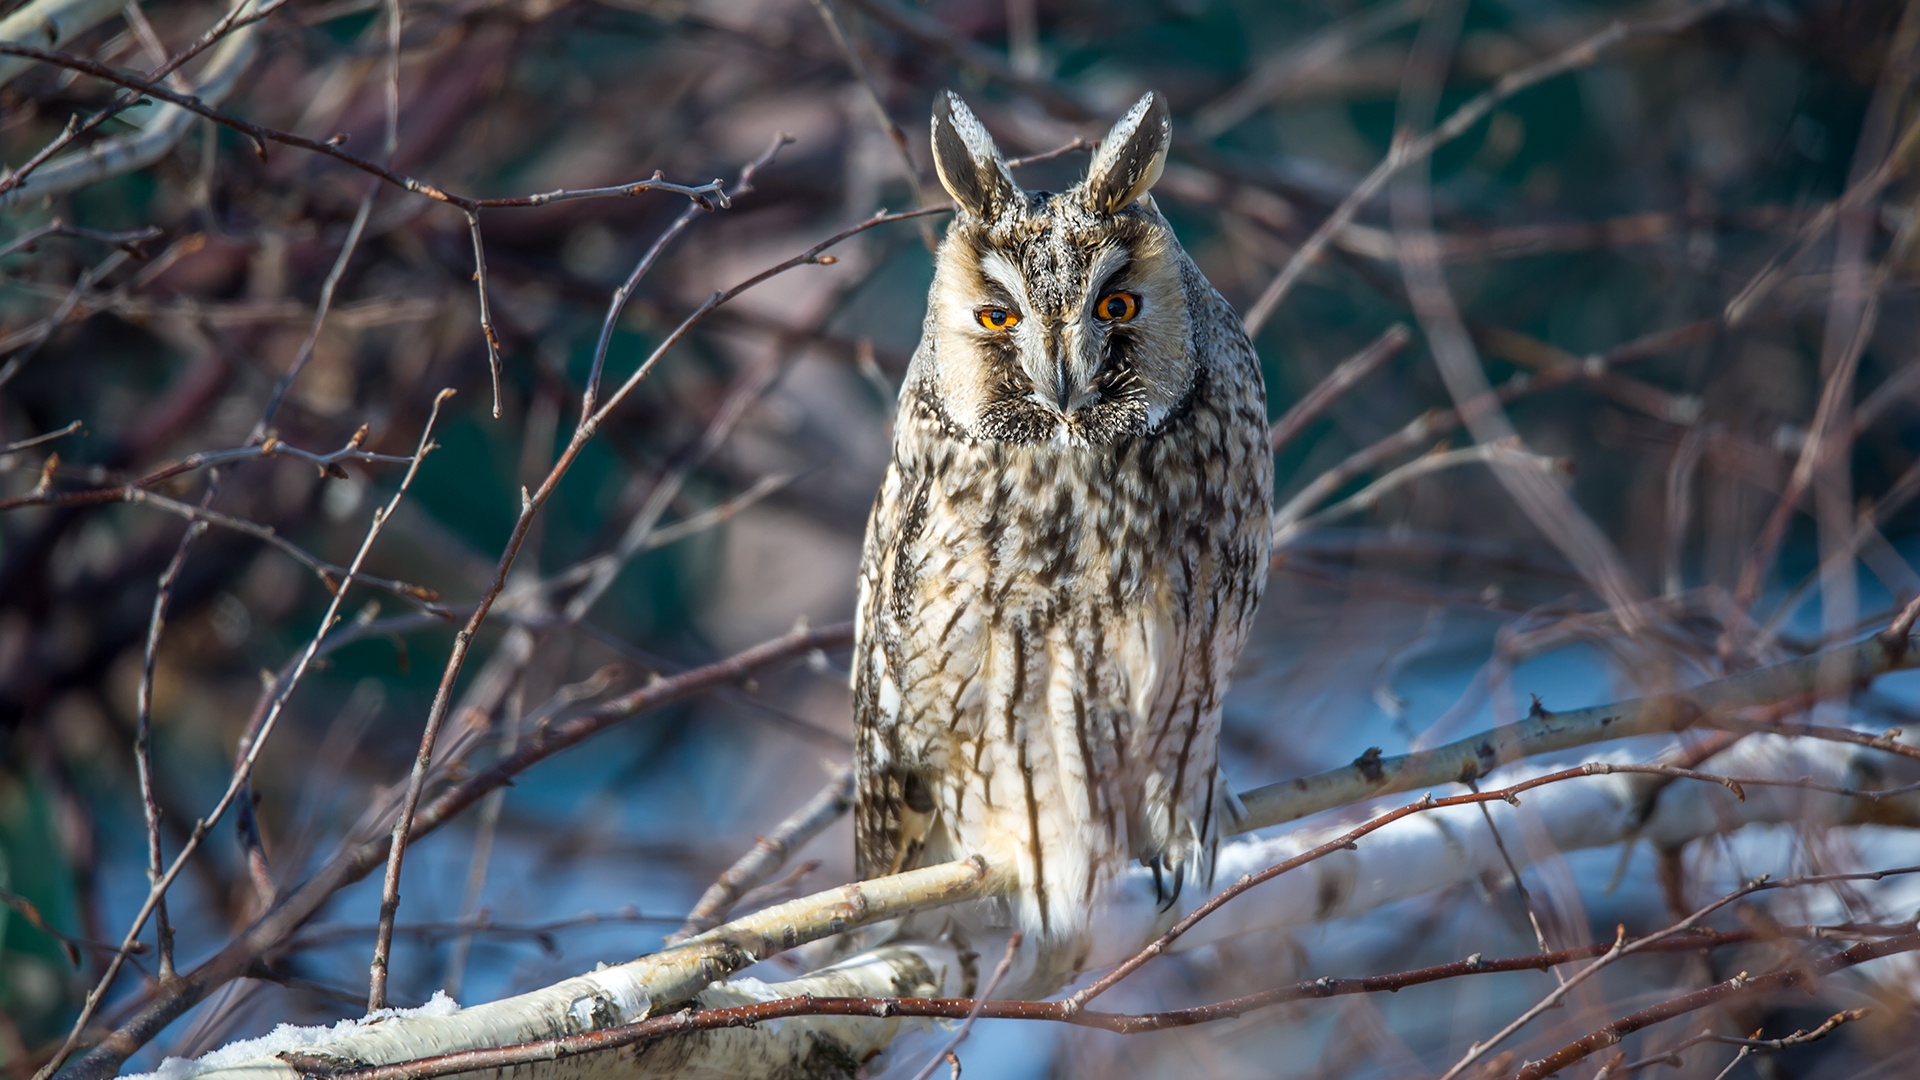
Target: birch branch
[[572, 1013], [1545, 732], [1412, 856]]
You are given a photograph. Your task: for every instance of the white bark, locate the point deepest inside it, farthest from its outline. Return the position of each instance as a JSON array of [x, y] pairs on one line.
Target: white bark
[[656, 984], [1547, 732], [1452, 846], [49, 24], [1409, 858]]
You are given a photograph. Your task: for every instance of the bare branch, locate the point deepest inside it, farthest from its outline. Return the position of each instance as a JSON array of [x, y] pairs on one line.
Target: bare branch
[[530, 505], [1747, 1046], [1544, 732], [244, 766], [946, 1052], [58, 433], [1739, 987], [131, 240], [1623, 948], [894, 135], [1504, 452]]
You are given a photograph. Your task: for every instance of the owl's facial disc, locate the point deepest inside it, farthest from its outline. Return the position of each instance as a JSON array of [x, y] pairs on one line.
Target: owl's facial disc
[[1048, 341], [1060, 327]]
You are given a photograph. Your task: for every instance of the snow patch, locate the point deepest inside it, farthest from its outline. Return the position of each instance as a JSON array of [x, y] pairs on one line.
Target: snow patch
[[288, 1037]]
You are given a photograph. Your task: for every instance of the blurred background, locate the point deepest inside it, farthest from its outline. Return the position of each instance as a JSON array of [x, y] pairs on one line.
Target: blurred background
[[1645, 250]]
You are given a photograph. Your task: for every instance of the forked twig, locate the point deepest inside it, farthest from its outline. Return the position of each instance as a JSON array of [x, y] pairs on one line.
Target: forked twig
[[946, 1052]]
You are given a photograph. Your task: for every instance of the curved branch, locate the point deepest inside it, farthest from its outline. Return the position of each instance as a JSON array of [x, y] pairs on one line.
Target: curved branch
[[714, 191]]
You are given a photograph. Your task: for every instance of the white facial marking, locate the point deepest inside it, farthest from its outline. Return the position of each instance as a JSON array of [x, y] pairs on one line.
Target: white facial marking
[[1029, 336], [1109, 260], [1007, 276]]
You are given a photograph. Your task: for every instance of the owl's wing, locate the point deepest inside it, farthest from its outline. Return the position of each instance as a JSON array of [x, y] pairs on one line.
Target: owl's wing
[[892, 804]]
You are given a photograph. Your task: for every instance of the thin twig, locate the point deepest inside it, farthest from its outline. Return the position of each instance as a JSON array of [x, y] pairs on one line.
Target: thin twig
[[1159, 945], [541, 933], [1888, 741], [1623, 948], [486, 309], [1546, 504], [354, 862], [1830, 435], [269, 446], [530, 505], [1320, 51], [1519, 886], [1049, 155], [1747, 1046], [602, 569], [1741, 986], [321, 307], [1343, 377], [45, 438], [130, 241], [143, 723], [60, 314], [894, 135], [966, 1025], [231, 21], [330, 575], [1508, 452], [262, 135], [769, 854], [1435, 423], [70, 945], [942, 40], [589, 400]]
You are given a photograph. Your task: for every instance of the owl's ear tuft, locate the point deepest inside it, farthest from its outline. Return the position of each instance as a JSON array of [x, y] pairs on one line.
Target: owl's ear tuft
[[1130, 157], [969, 165]]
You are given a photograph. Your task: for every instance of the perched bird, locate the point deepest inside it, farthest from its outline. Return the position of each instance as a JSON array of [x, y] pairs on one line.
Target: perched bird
[[1064, 560]]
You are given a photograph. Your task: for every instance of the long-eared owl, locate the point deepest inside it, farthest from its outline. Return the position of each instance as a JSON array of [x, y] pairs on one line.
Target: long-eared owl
[[1065, 557]]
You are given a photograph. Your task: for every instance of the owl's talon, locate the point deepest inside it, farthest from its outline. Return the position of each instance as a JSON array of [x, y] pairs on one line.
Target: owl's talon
[[1179, 881], [1162, 869]]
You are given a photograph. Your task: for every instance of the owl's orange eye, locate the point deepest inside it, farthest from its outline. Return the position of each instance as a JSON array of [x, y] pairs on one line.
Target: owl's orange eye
[[1118, 307], [994, 318]]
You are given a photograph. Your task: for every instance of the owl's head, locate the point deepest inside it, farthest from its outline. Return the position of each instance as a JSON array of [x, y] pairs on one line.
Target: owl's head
[[1058, 316]]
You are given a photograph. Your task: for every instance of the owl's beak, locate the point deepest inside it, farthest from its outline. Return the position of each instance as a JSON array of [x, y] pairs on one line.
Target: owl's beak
[[1062, 385], [1058, 382]]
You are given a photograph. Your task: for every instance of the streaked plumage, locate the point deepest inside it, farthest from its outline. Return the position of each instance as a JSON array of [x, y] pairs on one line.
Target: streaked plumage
[[1062, 564]]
